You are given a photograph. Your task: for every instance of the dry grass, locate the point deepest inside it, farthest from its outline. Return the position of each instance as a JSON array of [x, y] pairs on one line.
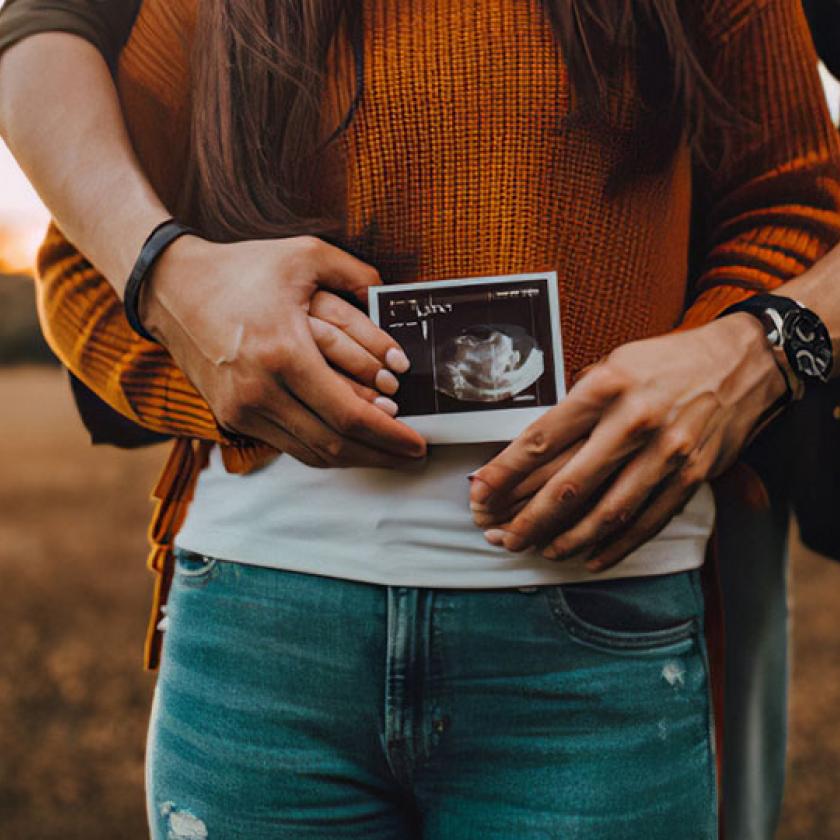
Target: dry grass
[[73, 700]]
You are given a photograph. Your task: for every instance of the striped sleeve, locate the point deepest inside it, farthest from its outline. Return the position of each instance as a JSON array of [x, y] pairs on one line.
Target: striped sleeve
[[85, 325], [773, 208]]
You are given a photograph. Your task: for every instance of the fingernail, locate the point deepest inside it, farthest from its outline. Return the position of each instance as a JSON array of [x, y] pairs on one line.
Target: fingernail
[[388, 406], [550, 554], [397, 360], [475, 507], [387, 382], [472, 475], [595, 566], [480, 491], [495, 536]]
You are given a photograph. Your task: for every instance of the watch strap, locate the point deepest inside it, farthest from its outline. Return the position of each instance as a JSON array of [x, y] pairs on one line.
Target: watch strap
[[779, 316]]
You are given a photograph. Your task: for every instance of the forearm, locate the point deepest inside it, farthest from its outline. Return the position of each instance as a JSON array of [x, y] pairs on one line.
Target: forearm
[[67, 132], [74, 148]]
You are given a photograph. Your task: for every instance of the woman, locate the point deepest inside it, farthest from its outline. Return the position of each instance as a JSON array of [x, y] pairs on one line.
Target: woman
[[346, 653]]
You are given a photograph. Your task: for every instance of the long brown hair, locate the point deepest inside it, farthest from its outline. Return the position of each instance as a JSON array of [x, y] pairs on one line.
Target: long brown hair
[[259, 77]]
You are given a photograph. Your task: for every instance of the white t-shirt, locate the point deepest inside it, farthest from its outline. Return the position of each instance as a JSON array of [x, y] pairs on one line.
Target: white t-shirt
[[396, 528]]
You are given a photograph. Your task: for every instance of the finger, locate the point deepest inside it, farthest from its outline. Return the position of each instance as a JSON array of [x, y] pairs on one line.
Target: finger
[[328, 446], [497, 521], [523, 491], [339, 270], [563, 498], [343, 352], [547, 437], [667, 452], [662, 509], [327, 394], [275, 436], [332, 309], [670, 500], [624, 429], [533, 483], [383, 403]]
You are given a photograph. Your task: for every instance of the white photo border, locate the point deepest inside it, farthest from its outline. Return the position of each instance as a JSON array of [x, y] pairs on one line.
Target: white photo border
[[500, 425]]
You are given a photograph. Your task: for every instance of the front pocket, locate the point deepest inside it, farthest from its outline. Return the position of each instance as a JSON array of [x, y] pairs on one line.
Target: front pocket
[[192, 568], [630, 614]]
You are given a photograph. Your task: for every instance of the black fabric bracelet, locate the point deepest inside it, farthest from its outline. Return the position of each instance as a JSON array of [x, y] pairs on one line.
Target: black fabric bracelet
[[161, 237]]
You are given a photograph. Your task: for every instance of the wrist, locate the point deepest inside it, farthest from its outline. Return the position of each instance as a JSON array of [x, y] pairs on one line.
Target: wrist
[[166, 283], [760, 379]]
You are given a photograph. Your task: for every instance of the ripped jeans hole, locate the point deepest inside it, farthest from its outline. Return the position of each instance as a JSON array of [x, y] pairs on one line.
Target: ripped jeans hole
[[182, 824]]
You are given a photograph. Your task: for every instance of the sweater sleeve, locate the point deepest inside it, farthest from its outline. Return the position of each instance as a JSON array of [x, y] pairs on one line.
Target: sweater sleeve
[[773, 207], [84, 323], [106, 25]]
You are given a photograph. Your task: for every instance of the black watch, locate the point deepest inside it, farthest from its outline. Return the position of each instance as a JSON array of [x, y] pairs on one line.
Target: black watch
[[796, 330]]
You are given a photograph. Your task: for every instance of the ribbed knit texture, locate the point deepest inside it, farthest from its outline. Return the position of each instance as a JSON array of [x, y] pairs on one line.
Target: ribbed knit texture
[[461, 161]]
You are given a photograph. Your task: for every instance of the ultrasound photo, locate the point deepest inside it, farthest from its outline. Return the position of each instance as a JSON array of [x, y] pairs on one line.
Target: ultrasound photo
[[485, 353]]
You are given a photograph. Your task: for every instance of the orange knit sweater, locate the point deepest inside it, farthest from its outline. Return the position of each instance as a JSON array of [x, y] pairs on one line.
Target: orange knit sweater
[[459, 162]]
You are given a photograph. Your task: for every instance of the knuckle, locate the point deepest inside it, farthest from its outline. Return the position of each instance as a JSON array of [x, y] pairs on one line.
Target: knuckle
[[536, 442], [565, 492], [690, 477], [612, 518], [326, 335], [615, 373], [308, 245], [326, 306], [336, 449], [641, 416], [677, 444]]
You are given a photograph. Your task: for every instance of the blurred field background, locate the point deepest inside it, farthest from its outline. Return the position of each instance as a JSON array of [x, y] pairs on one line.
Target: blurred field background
[[73, 697]]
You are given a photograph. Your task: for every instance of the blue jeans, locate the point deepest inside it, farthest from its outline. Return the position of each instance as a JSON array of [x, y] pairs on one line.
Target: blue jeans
[[291, 705]]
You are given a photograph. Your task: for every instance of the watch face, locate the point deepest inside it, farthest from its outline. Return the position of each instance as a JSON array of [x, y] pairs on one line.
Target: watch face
[[807, 345]]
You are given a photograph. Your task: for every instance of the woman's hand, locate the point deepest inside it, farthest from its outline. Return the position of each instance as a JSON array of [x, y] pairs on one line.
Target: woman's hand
[[253, 327], [606, 469]]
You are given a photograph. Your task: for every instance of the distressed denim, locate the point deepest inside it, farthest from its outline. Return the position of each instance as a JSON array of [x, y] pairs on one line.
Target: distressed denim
[[292, 705]]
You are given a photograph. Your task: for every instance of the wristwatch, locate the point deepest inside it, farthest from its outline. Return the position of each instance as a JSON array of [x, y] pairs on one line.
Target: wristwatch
[[800, 341]]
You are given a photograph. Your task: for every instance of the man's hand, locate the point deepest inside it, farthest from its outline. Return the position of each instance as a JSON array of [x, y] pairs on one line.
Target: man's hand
[[607, 469], [254, 327]]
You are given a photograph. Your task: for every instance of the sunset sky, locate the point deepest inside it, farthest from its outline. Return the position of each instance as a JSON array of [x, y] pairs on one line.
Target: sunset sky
[[23, 217]]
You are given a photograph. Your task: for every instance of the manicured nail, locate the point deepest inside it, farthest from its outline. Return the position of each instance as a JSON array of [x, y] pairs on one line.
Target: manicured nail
[[480, 491], [388, 406], [495, 536], [386, 382], [397, 360]]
